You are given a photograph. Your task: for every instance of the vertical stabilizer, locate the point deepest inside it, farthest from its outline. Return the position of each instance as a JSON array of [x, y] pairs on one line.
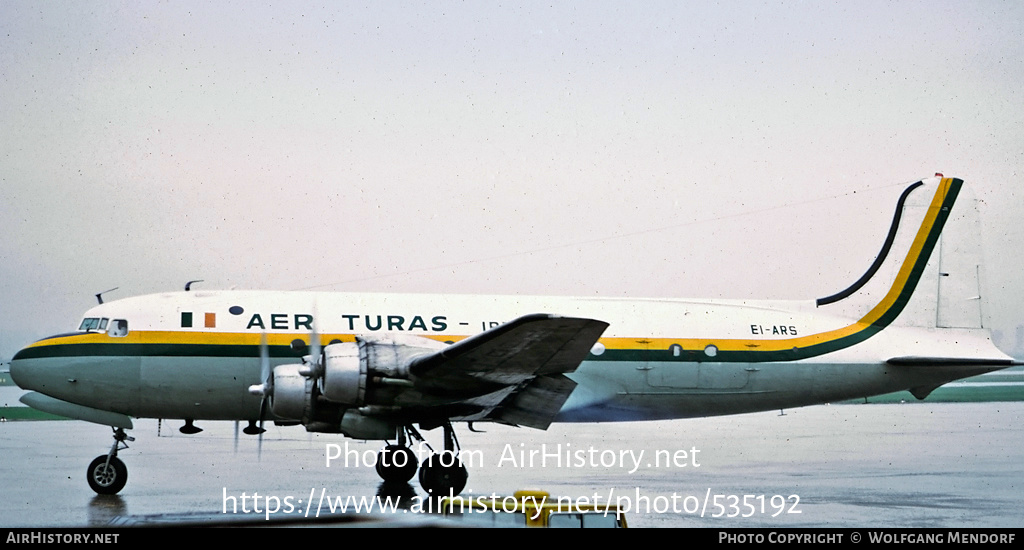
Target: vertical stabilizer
[[928, 271]]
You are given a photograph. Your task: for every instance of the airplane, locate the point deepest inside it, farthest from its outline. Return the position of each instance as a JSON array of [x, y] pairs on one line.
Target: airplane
[[375, 366]]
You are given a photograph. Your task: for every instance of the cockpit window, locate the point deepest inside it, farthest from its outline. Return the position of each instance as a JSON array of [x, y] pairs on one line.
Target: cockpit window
[[94, 323], [118, 328]]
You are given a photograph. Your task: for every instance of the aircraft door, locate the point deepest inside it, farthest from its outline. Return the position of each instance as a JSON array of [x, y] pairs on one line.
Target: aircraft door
[[674, 370]]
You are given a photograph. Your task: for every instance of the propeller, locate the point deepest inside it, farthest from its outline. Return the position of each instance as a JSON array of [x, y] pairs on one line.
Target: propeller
[[314, 351], [314, 367], [266, 389]]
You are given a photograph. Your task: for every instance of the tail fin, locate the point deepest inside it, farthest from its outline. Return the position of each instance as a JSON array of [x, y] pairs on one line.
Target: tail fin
[[928, 273]]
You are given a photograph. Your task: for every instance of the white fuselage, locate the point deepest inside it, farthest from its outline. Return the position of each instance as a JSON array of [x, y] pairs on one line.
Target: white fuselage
[[194, 354]]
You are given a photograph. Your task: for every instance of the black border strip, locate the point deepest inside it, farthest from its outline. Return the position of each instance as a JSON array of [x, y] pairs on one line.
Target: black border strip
[[889, 239]]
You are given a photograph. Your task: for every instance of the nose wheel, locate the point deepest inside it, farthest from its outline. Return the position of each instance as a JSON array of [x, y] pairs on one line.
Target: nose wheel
[[106, 474]]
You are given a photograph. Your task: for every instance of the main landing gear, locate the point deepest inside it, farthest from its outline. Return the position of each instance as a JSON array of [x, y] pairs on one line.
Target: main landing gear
[[440, 473], [107, 474]]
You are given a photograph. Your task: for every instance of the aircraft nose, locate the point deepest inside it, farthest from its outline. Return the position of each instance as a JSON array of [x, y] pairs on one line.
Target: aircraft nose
[[20, 371], [31, 371]]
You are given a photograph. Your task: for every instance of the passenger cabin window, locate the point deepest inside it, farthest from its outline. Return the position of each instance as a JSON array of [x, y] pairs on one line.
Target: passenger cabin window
[[118, 328]]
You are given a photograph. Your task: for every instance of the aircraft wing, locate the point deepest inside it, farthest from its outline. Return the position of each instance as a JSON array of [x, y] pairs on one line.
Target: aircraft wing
[[515, 372]]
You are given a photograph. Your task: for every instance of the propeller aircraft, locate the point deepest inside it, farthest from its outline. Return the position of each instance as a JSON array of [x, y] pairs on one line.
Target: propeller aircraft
[[386, 366]]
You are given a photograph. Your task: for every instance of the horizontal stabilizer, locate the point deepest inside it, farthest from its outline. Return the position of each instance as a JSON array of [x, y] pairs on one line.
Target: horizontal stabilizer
[[918, 361]]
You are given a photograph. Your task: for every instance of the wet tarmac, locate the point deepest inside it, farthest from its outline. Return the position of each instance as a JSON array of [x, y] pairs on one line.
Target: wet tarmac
[[895, 465]]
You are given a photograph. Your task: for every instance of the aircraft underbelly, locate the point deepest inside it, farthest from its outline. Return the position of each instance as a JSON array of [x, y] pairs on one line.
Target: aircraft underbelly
[[623, 391]]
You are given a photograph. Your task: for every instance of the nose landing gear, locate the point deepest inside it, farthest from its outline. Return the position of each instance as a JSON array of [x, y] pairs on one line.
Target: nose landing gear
[[106, 474]]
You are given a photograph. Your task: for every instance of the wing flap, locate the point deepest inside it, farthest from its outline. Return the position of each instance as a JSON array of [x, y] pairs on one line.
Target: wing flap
[[538, 403]]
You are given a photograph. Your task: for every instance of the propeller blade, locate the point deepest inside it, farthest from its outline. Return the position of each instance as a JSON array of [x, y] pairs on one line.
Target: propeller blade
[[266, 389], [314, 348], [265, 374], [314, 339], [263, 414], [314, 367]]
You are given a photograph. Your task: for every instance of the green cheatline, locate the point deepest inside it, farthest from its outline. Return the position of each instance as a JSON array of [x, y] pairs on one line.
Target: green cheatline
[[26, 413]]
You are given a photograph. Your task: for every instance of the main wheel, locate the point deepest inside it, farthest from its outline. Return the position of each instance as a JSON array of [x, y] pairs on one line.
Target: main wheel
[[107, 479], [396, 463], [443, 474]]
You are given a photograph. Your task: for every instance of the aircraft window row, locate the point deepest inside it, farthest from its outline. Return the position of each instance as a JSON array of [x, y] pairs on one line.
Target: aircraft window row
[[118, 328], [711, 350], [675, 349]]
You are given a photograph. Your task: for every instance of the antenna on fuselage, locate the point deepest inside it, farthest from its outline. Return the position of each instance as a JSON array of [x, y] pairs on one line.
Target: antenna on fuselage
[[188, 285], [99, 297]]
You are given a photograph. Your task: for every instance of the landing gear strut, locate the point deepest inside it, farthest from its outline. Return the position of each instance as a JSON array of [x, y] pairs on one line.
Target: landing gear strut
[[106, 473], [440, 473]]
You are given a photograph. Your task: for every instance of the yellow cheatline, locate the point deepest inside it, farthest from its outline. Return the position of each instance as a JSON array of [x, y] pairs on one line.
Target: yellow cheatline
[[876, 313], [913, 255]]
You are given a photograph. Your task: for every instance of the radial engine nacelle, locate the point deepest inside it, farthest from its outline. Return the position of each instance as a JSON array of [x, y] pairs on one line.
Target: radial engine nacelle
[[344, 376]]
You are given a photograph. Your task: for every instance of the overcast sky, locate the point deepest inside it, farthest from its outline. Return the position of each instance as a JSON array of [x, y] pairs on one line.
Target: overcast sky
[[686, 149]]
